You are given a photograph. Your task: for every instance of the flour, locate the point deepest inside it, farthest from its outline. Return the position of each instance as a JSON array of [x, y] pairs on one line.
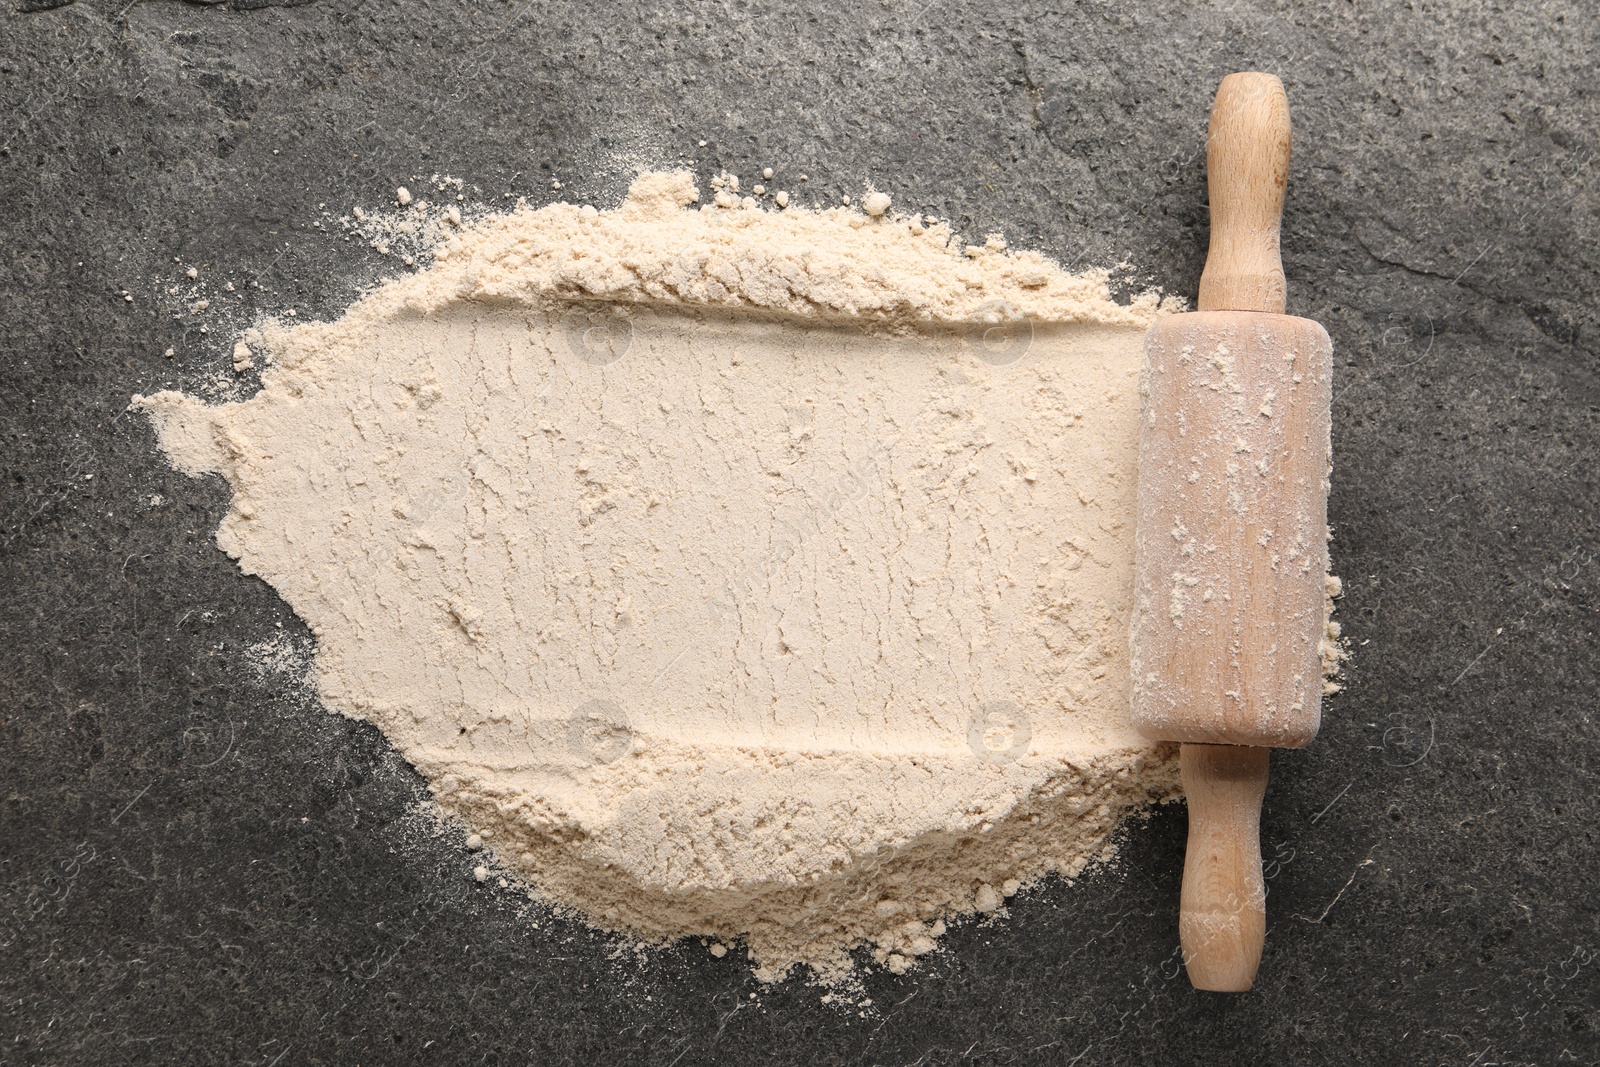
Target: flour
[[762, 576]]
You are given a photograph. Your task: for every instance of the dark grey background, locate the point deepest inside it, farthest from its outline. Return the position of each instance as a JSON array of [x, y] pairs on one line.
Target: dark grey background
[[201, 866]]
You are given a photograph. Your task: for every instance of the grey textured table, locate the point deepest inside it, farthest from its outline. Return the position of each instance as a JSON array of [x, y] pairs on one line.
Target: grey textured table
[[201, 866]]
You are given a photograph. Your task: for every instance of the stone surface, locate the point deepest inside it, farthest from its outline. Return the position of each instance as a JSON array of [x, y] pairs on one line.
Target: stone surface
[[198, 864]]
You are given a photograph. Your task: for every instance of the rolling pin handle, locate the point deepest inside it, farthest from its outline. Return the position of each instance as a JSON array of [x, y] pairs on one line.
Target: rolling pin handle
[[1247, 170], [1222, 917]]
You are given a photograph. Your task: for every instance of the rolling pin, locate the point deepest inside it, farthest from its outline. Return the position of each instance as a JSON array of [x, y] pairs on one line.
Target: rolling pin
[[1232, 554]]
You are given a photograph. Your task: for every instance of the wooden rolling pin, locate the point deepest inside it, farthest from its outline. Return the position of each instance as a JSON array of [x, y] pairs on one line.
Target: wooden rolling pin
[[1232, 547]]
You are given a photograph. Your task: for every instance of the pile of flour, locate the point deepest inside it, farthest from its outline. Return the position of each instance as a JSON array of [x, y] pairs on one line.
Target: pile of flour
[[756, 575]]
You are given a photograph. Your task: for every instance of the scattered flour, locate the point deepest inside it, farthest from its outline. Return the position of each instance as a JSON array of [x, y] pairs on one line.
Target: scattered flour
[[761, 576]]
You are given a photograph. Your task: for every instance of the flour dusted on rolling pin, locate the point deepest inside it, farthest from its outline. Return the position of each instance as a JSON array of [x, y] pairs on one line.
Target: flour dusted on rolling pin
[[1235, 465], [758, 576]]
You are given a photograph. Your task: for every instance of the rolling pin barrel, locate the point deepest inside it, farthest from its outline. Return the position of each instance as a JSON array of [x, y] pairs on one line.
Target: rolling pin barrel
[[1231, 548]]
